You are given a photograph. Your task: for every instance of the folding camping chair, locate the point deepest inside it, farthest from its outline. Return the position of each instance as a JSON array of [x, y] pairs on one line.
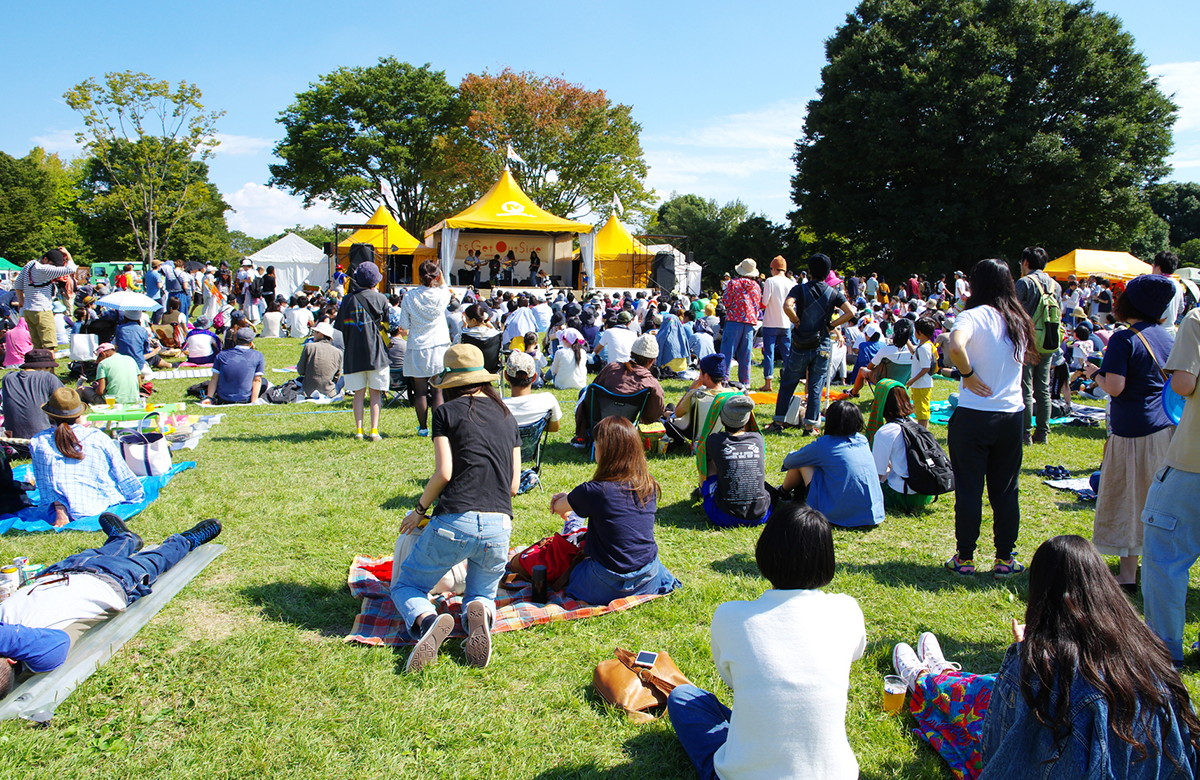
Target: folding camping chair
[[599, 402], [533, 438], [399, 388]]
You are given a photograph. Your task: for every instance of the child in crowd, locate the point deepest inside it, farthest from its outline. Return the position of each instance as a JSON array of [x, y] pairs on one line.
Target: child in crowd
[[735, 490], [920, 384], [891, 453], [786, 656], [534, 350]]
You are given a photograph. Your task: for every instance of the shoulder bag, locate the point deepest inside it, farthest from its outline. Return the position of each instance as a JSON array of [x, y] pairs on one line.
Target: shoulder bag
[[635, 689]]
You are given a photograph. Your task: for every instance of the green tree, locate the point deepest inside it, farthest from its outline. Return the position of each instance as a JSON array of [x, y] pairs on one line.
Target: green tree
[[1178, 203], [760, 238], [366, 136], [147, 136], [37, 199], [707, 225], [579, 148], [949, 130]]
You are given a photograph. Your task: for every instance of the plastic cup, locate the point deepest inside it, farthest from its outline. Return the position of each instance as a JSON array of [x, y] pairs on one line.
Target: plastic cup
[[149, 407], [110, 401], [893, 694]]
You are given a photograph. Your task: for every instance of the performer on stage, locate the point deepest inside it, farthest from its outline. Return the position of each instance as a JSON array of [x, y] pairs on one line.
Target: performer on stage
[[494, 266], [510, 262], [535, 263]]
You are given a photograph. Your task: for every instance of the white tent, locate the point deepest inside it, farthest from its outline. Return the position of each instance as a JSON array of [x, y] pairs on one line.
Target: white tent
[[687, 275], [296, 262]]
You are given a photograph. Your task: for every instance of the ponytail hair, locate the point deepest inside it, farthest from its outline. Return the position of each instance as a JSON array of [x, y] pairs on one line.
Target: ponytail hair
[[65, 438]]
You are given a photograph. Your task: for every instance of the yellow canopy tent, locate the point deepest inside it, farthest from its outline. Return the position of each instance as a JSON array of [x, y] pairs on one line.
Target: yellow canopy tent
[[389, 240], [505, 208], [1093, 262], [617, 257]]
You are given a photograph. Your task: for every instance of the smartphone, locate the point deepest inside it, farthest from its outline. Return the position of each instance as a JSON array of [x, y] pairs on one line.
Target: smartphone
[[646, 659]]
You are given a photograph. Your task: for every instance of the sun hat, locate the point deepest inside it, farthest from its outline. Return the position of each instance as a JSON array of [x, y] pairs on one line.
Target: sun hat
[[107, 346], [520, 363], [203, 323], [646, 346], [747, 268], [778, 263], [715, 365], [40, 358], [1151, 294], [463, 366], [64, 404], [367, 275], [246, 261], [244, 335], [736, 411], [325, 329], [570, 336], [1078, 312]]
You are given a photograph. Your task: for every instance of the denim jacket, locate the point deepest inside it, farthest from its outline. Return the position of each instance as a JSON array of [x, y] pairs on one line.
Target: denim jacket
[[1016, 745]]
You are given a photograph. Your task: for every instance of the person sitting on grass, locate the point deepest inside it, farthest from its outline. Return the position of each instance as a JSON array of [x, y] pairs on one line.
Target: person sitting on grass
[[320, 363], [202, 345], [872, 341], [891, 454], [23, 394], [734, 485], [1086, 690], [476, 472], [237, 373], [786, 656], [836, 472], [79, 471], [619, 504], [134, 340], [688, 415], [40, 622], [116, 376], [527, 406]]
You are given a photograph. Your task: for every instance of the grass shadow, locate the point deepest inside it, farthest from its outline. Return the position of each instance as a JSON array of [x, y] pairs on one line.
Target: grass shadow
[[932, 579], [328, 610], [649, 754], [296, 437], [738, 564], [685, 513]]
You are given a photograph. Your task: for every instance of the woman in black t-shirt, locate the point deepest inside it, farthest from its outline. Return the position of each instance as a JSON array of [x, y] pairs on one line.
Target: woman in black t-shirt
[[477, 467], [619, 504]]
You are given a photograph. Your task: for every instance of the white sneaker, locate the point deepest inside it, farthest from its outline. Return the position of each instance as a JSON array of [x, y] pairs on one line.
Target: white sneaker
[[907, 665], [930, 653]]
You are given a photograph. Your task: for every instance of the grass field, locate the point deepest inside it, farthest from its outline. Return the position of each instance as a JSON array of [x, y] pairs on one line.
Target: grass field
[[245, 673]]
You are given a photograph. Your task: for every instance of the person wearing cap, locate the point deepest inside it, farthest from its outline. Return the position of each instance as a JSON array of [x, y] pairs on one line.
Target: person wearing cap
[[423, 316], [24, 392], [476, 472], [776, 341], [243, 282], [734, 487], [320, 363], [962, 288], [625, 379], [202, 345], [1132, 375], [527, 406], [617, 339], [116, 376], [237, 373], [35, 294], [133, 339], [361, 317], [684, 421], [742, 299], [569, 368], [79, 471]]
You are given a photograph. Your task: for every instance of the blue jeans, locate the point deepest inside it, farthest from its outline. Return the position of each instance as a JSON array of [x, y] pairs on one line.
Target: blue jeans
[[811, 365], [736, 339], [775, 339], [701, 722], [479, 538], [1170, 546], [591, 583], [718, 516], [136, 571]]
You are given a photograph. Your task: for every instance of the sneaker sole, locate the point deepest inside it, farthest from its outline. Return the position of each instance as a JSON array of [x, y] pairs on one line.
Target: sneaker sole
[[427, 649], [477, 647]]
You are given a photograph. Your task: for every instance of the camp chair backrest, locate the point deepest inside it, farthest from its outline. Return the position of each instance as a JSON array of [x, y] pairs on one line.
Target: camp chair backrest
[[490, 347], [532, 438], [603, 403], [899, 372]]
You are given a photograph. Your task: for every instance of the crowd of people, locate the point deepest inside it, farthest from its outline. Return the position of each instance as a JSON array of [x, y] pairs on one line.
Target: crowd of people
[[1016, 346]]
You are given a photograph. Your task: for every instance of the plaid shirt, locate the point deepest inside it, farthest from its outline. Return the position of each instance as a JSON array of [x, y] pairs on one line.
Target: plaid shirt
[[85, 487], [35, 279], [742, 300]]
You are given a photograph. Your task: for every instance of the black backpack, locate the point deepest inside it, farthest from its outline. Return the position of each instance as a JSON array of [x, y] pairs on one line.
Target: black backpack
[[286, 393], [929, 472], [814, 309]]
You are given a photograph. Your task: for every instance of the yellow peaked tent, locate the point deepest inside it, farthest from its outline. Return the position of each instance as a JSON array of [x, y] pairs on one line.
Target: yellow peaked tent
[[1093, 262], [505, 208], [383, 240], [616, 257]]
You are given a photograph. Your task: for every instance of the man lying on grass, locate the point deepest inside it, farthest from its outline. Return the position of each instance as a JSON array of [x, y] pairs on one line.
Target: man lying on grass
[[40, 622]]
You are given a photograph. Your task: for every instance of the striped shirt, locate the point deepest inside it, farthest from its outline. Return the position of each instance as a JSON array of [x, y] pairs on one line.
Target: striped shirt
[[35, 280]]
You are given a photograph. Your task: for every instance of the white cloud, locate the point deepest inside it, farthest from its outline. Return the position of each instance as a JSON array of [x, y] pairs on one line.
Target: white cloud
[[241, 144], [59, 142], [775, 127], [260, 211], [1181, 80]]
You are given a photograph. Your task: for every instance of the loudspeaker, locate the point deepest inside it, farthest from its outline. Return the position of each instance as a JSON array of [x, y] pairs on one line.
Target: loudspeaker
[[662, 271], [465, 277], [329, 248], [576, 275], [359, 254]]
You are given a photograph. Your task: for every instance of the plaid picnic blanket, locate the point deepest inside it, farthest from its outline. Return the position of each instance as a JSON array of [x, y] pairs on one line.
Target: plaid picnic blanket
[[378, 622]]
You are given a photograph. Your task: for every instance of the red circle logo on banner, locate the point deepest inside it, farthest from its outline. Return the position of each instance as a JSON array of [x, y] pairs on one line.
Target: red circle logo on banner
[[501, 246]]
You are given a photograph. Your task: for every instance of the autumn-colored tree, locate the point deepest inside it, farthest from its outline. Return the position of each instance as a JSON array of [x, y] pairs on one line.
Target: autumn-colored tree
[[579, 148]]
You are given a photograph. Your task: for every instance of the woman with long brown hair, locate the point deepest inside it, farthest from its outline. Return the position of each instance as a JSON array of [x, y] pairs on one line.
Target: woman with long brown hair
[[79, 471], [619, 504], [990, 344]]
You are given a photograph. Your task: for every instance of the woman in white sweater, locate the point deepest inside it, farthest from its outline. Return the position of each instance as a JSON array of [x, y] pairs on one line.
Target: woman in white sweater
[[787, 657], [423, 317]]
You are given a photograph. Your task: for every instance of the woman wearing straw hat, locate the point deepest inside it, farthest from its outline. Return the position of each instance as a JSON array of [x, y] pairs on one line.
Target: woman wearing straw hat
[[743, 302], [477, 469], [79, 471]]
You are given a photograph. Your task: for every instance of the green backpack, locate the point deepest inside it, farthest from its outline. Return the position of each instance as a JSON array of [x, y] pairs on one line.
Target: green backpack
[[1047, 320]]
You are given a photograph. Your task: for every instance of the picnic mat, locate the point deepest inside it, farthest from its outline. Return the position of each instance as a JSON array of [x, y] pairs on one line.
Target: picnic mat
[[1080, 486], [183, 373], [378, 622], [940, 411], [38, 519]]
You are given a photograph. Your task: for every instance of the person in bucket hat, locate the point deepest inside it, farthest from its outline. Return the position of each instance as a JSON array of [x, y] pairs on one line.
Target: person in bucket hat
[[23, 393]]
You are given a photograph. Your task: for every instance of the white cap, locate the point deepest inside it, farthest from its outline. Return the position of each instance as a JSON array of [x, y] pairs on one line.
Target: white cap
[[872, 330]]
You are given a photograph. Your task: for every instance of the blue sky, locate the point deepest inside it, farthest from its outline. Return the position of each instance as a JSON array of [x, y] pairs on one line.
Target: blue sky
[[719, 88]]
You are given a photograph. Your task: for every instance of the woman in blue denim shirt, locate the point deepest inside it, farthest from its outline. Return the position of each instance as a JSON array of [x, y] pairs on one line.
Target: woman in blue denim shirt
[[1086, 692]]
